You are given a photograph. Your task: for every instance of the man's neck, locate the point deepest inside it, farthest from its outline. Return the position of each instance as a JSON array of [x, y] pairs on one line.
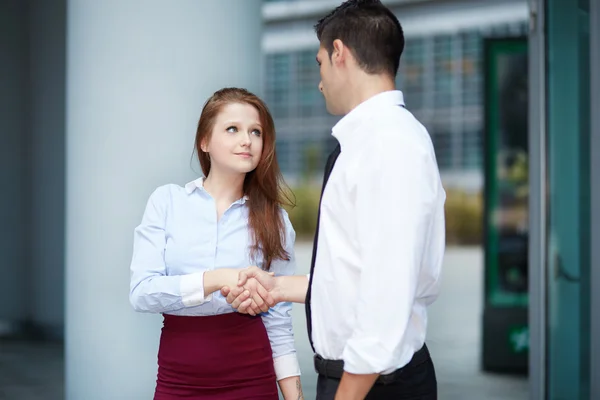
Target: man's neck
[[366, 86]]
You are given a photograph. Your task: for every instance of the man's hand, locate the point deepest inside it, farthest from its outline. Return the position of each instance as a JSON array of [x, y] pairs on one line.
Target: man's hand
[[218, 279], [255, 286], [251, 294]]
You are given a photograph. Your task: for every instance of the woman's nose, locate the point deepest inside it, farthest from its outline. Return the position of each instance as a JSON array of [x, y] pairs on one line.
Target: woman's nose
[[246, 140]]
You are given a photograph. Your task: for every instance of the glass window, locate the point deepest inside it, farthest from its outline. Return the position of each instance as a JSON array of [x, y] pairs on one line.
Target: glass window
[[472, 150], [443, 70], [310, 101], [471, 68], [442, 143], [277, 81], [412, 72], [284, 154]]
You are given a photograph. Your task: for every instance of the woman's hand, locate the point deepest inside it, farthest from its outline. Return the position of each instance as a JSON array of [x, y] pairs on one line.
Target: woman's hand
[[225, 278], [254, 286]]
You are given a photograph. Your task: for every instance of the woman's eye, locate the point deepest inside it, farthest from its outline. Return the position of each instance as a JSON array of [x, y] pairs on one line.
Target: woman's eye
[[231, 129], [256, 132]]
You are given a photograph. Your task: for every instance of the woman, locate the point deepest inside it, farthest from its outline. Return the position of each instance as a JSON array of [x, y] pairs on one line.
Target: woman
[[192, 242]]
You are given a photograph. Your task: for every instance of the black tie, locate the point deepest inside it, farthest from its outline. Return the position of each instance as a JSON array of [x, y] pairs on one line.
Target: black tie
[[328, 167]]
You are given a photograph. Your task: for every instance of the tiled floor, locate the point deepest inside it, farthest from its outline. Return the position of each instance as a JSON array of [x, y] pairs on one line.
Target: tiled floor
[[33, 371]]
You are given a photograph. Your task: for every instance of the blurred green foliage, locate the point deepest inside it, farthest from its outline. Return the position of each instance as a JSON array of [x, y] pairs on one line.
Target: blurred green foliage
[[304, 215], [464, 213], [464, 218]]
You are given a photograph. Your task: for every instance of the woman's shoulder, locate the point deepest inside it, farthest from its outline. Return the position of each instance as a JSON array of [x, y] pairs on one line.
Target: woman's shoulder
[[168, 188], [284, 215], [167, 193]]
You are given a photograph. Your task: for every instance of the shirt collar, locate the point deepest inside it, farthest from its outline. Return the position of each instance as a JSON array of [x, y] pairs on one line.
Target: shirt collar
[[195, 184], [190, 187], [350, 121]]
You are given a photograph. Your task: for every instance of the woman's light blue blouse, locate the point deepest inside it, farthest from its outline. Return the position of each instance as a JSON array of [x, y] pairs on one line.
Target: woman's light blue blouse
[[180, 238]]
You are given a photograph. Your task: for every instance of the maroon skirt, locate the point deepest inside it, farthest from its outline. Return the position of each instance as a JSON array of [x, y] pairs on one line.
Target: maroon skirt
[[221, 357]]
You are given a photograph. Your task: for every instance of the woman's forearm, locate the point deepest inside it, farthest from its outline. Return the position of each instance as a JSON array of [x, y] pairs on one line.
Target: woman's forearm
[[291, 388], [214, 280]]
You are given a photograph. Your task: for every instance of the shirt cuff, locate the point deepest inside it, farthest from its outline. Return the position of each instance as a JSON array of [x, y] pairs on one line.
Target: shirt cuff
[[366, 356], [192, 290], [286, 366]]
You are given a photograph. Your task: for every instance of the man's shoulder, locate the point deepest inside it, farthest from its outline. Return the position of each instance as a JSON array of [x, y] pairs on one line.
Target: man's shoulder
[[399, 126]]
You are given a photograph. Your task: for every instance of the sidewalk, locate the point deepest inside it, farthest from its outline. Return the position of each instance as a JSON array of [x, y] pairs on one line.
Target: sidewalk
[[31, 371]]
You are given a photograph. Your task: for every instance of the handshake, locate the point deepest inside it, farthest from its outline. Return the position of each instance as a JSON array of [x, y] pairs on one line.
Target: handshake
[[255, 291]]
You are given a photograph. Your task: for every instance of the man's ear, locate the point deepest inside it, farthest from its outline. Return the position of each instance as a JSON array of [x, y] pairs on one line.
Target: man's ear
[[339, 53]]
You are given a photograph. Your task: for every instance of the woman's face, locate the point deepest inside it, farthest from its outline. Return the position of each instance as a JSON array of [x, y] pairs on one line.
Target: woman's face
[[236, 141]]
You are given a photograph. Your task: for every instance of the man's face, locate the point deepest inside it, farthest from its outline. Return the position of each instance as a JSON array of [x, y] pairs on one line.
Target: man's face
[[329, 85]]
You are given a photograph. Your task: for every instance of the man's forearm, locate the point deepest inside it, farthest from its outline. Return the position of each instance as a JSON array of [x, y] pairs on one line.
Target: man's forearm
[[355, 387], [292, 288]]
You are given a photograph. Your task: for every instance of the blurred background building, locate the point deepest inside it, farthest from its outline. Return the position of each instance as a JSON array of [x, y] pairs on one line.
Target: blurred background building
[[98, 106], [441, 75]]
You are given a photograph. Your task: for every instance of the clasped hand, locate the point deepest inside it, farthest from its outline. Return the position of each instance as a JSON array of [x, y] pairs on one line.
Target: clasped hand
[[256, 291]]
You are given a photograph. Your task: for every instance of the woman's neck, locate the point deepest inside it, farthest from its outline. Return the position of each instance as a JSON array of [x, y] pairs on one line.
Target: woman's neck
[[225, 187]]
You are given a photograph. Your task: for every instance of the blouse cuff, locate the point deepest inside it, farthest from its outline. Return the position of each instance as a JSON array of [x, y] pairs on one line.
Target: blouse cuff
[[286, 366], [192, 290]]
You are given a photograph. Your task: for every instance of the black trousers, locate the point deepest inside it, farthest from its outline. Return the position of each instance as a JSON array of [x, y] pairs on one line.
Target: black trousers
[[417, 381]]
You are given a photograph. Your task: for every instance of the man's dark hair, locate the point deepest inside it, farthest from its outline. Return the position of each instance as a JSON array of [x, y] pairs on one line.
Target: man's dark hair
[[369, 29]]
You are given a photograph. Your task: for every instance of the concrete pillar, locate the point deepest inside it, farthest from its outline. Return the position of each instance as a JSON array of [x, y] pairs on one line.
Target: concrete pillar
[[138, 73], [14, 128], [46, 149]]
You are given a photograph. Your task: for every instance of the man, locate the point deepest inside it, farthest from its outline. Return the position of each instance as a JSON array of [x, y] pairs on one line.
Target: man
[[380, 236]]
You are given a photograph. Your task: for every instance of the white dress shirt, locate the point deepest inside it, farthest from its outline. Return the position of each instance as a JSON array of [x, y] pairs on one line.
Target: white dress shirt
[[179, 239], [381, 240]]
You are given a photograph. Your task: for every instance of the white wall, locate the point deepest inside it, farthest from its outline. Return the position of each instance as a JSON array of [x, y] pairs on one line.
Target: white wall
[[138, 73]]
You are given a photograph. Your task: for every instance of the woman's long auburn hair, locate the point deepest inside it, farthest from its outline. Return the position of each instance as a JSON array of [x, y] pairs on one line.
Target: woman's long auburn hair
[[264, 186]]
